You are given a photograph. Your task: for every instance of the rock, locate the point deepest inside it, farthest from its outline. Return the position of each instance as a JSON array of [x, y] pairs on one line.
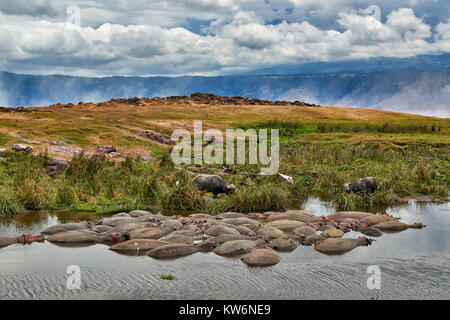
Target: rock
[[282, 244], [116, 155], [370, 231], [21, 147], [157, 136], [56, 143], [261, 258], [66, 227], [340, 245], [114, 222], [235, 247], [56, 167], [173, 251], [138, 245], [139, 213], [332, 233], [30, 142], [105, 150], [213, 184], [148, 233], [74, 237], [219, 230], [285, 225], [270, 232], [312, 239], [349, 214], [362, 185], [171, 224], [396, 225], [3, 151]]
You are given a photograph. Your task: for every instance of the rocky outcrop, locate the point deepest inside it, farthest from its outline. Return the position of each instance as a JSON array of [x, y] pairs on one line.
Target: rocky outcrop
[[56, 167], [157, 136]]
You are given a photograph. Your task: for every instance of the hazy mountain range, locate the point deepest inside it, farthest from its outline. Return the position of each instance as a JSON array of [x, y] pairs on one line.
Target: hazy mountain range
[[422, 92]]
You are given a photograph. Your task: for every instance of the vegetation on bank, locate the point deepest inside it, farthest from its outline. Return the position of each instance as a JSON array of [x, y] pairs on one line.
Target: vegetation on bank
[[97, 184]]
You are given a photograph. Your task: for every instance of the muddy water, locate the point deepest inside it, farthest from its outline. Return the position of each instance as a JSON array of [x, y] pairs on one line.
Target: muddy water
[[413, 263]]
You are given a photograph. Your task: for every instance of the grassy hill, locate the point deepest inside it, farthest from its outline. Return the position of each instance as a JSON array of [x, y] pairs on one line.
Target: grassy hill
[[321, 147]]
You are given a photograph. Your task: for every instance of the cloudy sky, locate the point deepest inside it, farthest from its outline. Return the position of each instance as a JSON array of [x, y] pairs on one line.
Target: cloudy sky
[[211, 37]]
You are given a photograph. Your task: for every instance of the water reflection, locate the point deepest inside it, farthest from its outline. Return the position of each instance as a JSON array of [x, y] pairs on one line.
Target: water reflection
[[414, 264]]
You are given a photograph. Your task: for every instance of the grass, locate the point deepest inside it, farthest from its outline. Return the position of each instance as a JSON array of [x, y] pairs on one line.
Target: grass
[[168, 276], [321, 148]]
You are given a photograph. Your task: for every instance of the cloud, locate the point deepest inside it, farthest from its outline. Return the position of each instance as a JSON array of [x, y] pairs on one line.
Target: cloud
[[236, 42], [35, 8]]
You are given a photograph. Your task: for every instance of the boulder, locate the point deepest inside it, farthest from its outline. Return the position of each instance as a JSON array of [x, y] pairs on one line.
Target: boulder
[[56, 167], [173, 251], [21, 147], [261, 258], [157, 136], [235, 247]]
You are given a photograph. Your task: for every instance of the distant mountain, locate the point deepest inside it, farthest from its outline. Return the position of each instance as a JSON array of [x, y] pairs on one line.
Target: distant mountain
[[421, 92], [373, 65]]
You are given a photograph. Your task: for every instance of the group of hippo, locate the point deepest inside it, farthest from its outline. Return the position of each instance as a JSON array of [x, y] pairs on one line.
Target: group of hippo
[[256, 237]]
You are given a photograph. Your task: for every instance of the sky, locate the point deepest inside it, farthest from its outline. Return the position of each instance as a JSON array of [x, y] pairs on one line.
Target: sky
[[211, 37]]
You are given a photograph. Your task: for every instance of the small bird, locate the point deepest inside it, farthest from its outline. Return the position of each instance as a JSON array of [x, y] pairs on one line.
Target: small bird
[[287, 178]]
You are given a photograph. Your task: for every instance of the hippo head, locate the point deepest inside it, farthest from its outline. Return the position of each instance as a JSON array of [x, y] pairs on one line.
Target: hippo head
[[347, 187], [230, 188]]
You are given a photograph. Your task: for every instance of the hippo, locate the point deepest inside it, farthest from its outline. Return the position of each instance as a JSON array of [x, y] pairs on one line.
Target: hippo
[[235, 247], [261, 258], [362, 185], [66, 227], [6, 241], [172, 251], [349, 214], [282, 244], [213, 184], [341, 245], [396, 225], [370, 231]]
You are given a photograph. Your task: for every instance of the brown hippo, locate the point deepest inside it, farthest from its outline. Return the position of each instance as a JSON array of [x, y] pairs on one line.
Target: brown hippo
[[235, 247], [349, 214], [282, 244], [172, 251], [370, 231], [396, 225], [218, 230], [6, 241], [340, 245], [66, 227], [138, 245], [261, 258], [377, 218]]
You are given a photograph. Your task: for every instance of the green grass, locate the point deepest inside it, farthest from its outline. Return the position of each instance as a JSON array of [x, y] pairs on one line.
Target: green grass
[[168, 276]]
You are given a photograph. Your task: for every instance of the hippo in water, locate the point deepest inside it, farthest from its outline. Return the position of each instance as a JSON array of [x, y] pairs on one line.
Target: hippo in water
[[362, 185], [213, 184]]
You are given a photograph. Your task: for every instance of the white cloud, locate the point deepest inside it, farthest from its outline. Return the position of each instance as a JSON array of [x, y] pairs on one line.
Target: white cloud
[[238, 42]]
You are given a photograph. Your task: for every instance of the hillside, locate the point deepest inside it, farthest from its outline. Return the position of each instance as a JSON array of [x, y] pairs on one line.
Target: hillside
[[420, 92]]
